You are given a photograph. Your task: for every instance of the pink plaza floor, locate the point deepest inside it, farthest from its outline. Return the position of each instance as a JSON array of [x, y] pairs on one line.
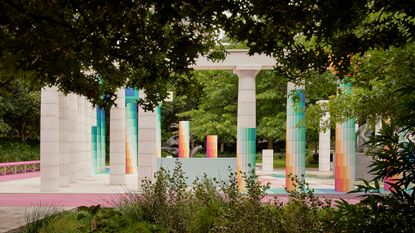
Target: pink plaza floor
[[23, 190]]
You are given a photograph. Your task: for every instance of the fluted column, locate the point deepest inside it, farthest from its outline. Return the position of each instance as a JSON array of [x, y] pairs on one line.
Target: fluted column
[[212, 146], [73, 111], [147, 143], [295, 134], [64, 139], [49, 140], [345, 150], [184, 139], [246, 126], [88, 139], [117, 140], [324, 138], [81, 138]]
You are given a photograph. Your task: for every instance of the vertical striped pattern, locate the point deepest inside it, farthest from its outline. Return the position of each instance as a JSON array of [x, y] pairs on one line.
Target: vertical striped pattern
[[212, 146], [296, 136], [184, 139], [131, 149], [345, 150]]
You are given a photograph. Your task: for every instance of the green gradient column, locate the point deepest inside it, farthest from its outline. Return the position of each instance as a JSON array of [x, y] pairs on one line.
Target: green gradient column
[[295, 134]]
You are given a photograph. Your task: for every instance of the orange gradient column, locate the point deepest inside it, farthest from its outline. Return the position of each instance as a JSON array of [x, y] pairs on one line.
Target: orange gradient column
[[184, 139], [211, 146], [345, 157]]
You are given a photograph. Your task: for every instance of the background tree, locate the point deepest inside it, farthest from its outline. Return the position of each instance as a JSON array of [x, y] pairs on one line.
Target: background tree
[[142, 44], [20, 109], [217, 110], [271, 89]]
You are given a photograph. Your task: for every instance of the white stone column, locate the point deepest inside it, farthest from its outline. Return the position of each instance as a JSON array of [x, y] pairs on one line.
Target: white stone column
[[147, 143], [81, 138], [88, 140], [49, 140], [64, 139], [117, 140], [246, 126], [73, 150], [324, 138], [268, 160]]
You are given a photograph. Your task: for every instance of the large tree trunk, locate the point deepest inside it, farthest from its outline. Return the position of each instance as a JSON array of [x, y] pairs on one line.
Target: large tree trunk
[[270, 143], [222, 145]]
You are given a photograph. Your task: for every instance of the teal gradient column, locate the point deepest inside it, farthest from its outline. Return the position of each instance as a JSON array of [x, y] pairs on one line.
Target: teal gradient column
[[345, 158], [295, 134], [131, 117], [98, 139], [103, 141], [94, 149]]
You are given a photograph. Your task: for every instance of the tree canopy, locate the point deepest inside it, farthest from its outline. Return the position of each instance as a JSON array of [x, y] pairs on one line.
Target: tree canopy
[[94, 47]]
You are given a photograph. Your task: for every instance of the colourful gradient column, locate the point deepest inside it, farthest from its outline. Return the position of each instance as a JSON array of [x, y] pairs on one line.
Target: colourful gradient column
[[158, 130], [212, 146], [248, 146], [94, 145], [131, 149], [246, 125], [103, 141], [98, 168], [184, 139], [296, 135], [345, 158], [100, 140]]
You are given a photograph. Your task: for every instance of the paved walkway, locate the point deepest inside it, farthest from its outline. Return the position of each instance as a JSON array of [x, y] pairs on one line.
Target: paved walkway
[[22, 191]]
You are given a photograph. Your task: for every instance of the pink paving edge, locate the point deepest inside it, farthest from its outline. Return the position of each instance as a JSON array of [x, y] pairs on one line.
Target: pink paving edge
[[19, 176]]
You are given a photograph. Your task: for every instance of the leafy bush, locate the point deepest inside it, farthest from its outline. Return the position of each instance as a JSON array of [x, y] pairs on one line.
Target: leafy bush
[[12, 150], [384, 212]]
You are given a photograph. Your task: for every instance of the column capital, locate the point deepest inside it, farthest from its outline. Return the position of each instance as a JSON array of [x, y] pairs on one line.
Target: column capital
[[247, 70]]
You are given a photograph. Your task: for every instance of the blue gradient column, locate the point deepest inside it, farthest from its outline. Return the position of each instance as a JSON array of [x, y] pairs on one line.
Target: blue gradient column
[[296, 135]]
